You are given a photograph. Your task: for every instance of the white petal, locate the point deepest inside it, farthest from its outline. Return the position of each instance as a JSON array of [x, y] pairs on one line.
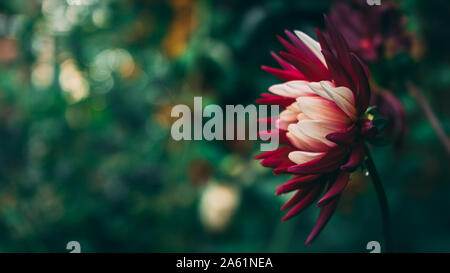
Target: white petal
[[304, 142], [281, 90], [318, 89], [286, 117], [342, 91], [312, 44], [298, 142], [299, 88], [341, 100], [345, 93], [321, 109], [291, 89], [300, 157], [302, 116], [319, 129], [294, 107]]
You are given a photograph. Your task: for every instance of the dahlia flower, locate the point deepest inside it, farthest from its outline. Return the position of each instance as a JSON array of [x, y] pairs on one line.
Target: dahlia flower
[[369, 30], [325, 95]]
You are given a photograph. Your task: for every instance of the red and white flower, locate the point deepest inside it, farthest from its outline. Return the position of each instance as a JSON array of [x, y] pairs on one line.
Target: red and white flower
[[324, 95]]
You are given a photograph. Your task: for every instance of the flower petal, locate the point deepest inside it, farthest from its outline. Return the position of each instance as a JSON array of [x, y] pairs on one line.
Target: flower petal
[[319, 129], [304, 142], [311, 71], [271, 99], [355, 159], [313, 45], [318, 90], [321, 109], [340, 96], [287, 66], [329, 162], [284, 75], [325, 215], [362, 84], [291, 89], [345, 136], [300, 157], [305, 202], [297, 182], [286, 117], [336, 188], [297, 197]]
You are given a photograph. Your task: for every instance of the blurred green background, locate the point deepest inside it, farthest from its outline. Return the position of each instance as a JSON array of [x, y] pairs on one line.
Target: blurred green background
[[86, 90]]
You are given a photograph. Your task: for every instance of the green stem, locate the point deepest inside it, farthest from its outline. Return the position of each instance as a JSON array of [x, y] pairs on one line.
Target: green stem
[[381, 198]]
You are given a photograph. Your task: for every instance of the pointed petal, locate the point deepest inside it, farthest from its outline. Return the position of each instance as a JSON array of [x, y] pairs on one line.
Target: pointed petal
[[305, 52], [297, 197], [276, 157], [312, 44], [271, 99], [355, 159], [341, 47], [338, 74], [311, 71], [287, 66], [336, 189], [297, 182], [284, 75], [324, 45], [325, 215], [306, 202], [362, 85], [345, 136], [268, 153]]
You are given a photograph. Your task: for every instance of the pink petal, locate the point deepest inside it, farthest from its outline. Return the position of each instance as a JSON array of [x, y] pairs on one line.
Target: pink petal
[[337, 187], [271, 99], [325, 215], [345, 136], [362, 84], [287, 66], [355, 159], [297, 197], [284, 75], [311, 71], [296, 183], [305, 202]]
